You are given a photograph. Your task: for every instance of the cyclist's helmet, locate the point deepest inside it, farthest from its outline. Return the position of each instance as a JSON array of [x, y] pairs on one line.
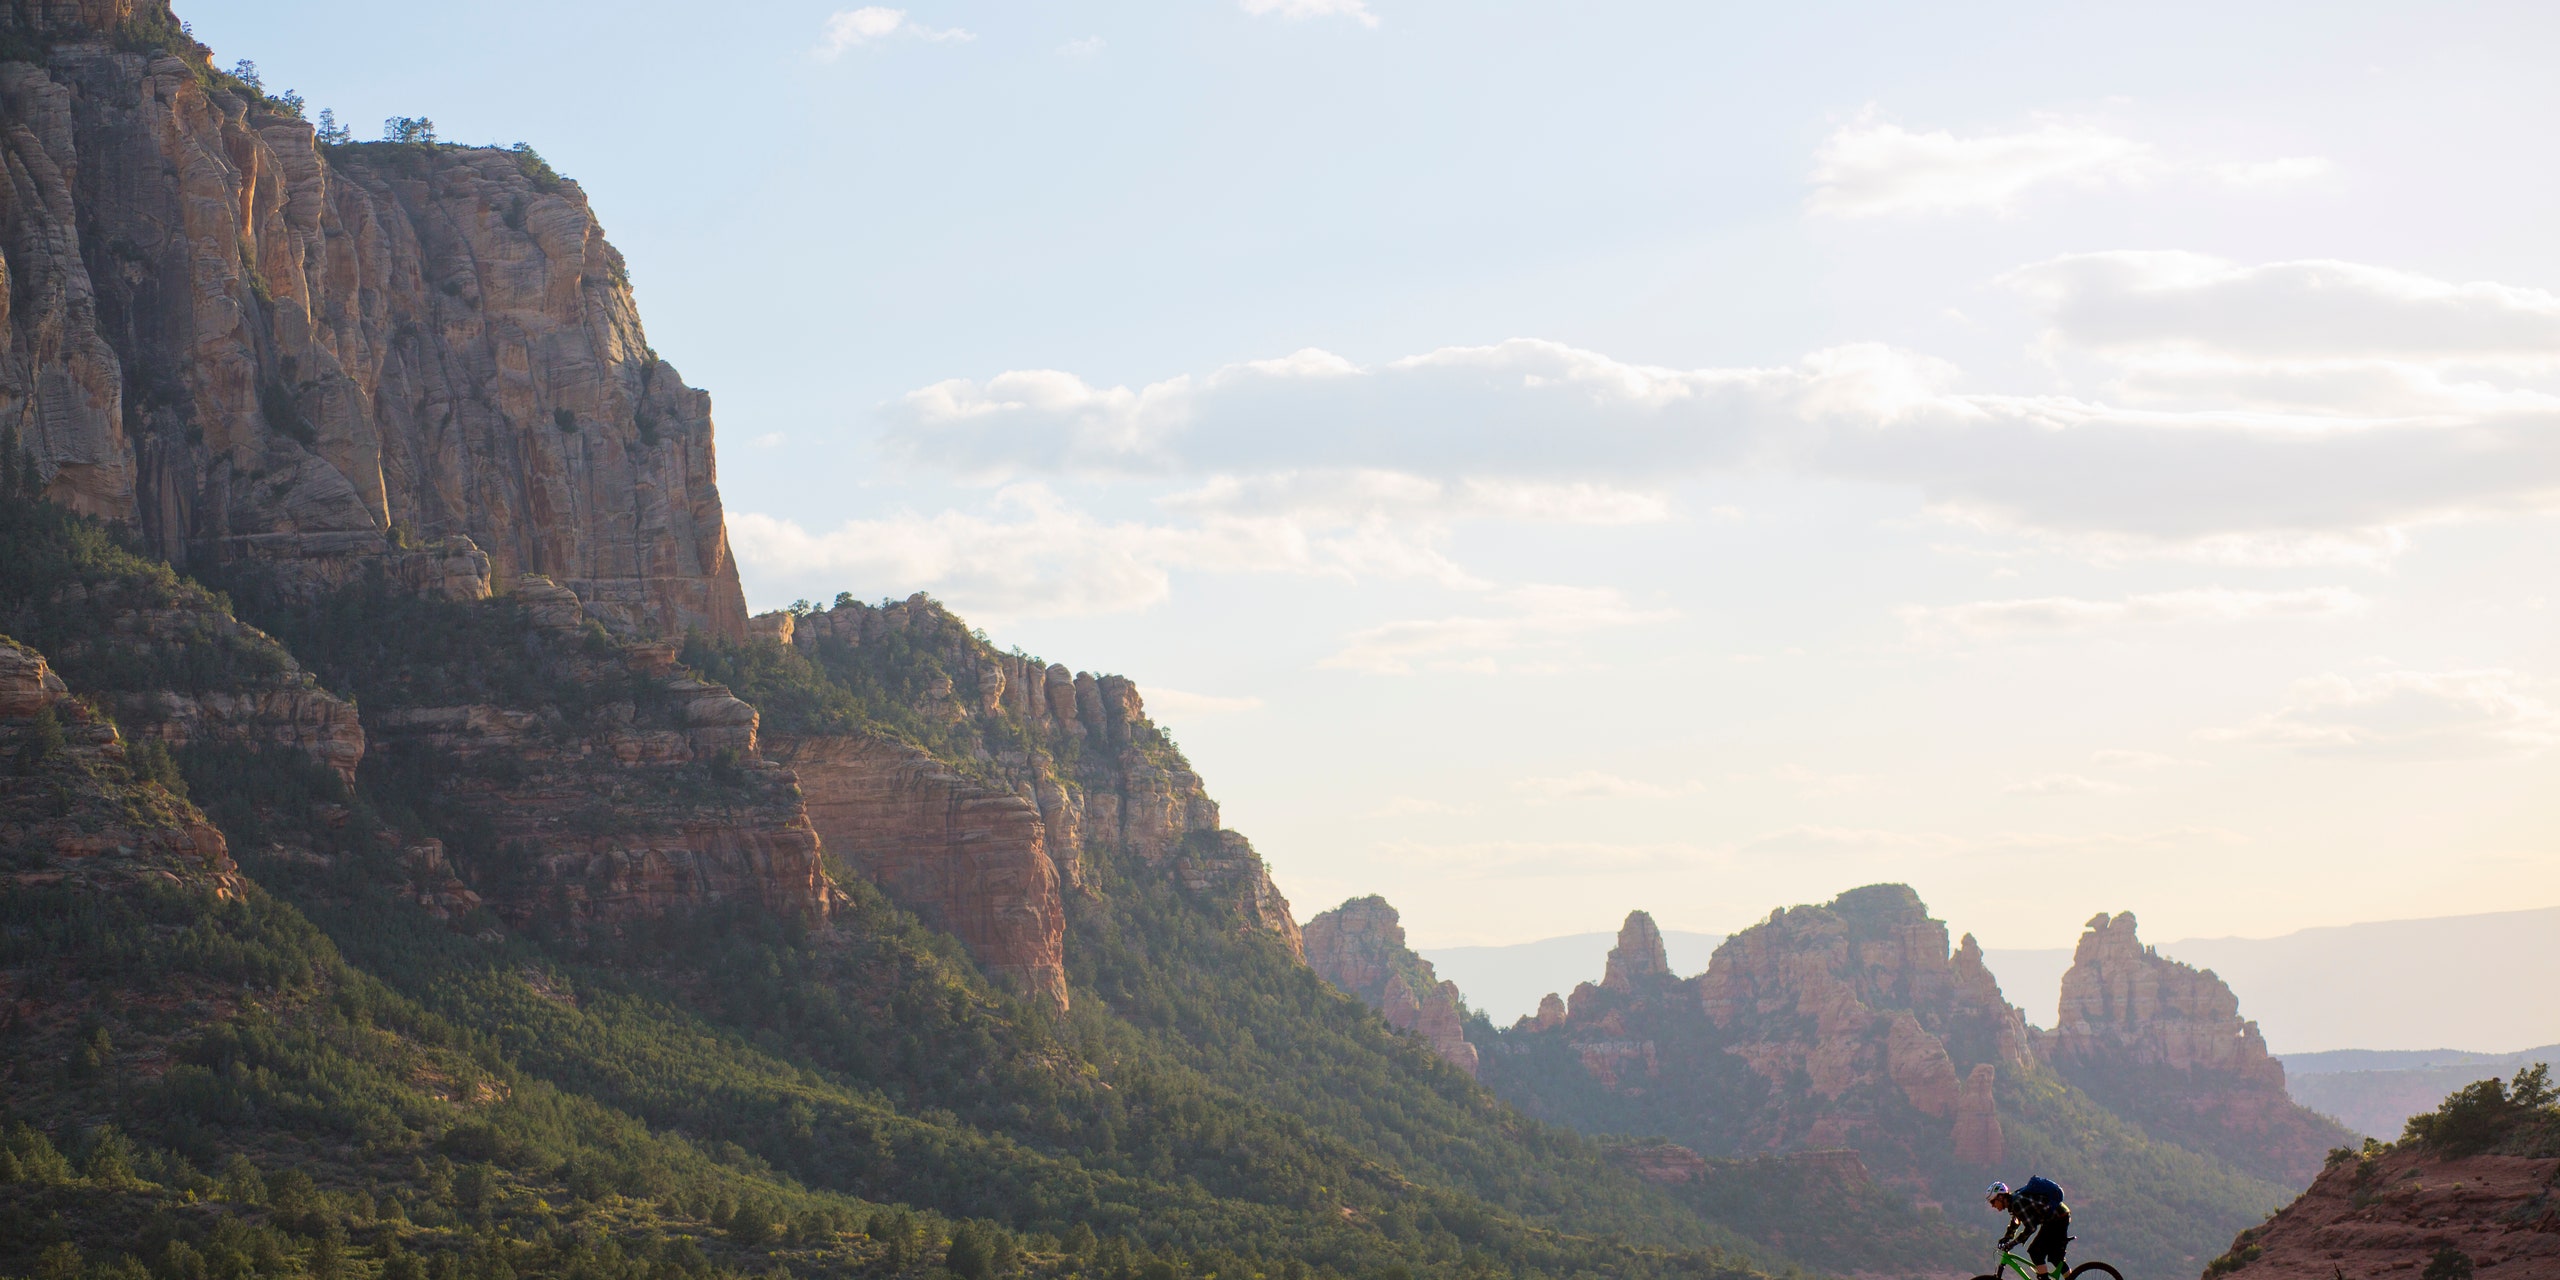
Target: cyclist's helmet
[[1995, 1191]]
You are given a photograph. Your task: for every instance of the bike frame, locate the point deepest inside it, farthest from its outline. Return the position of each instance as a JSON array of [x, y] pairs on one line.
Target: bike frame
[[2012, 1262]]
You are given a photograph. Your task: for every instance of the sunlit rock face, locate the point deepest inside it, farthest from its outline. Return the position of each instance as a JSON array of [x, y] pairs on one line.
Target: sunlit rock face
[[2166, 1042], [251, 346], [970, 858], [1360, 948]]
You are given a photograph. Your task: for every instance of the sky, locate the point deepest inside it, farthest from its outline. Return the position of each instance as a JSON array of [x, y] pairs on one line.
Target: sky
[[1543, 459]]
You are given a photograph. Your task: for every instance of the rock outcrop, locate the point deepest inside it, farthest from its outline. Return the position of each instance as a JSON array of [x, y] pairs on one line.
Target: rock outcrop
[[1360, 948], [1891, 1011], [2165, 1042], [1850, 1025], [248, 344], [2123, 1001], [74, 814], [971, 858], [1638, 958], [1101, 781], [2394, 1211]]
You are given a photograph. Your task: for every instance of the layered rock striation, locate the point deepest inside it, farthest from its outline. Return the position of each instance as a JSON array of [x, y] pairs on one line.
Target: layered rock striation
[[251, 345], [972, 859], [2165, 1043], [988, 785], [1360, 948], [627, 788]]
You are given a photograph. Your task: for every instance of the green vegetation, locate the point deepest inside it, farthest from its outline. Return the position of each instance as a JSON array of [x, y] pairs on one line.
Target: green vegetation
[[2490, 1115], [355, 1088]]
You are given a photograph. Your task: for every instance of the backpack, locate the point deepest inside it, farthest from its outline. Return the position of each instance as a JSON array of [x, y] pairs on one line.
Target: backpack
[[2041, 1189]]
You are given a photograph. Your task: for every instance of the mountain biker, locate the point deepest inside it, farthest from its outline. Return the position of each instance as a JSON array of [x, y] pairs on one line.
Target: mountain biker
[[2038, 1216]]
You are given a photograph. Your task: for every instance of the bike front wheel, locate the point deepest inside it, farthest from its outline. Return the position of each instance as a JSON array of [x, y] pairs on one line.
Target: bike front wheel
[[2094, 1269]]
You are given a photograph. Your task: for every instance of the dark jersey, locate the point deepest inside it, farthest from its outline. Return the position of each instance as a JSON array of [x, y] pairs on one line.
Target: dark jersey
[[2026, 1213]]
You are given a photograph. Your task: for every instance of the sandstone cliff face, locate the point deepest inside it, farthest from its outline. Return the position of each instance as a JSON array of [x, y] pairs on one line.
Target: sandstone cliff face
[[1100, 781], [1360, 948], [972, 859], [1892, 1013], [2166, 1043], [591, 810], [251, 346], [2123, 1001]]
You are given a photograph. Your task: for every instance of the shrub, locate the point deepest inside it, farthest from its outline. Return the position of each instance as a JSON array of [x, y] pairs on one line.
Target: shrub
[[41, 742], [2487, 1113]]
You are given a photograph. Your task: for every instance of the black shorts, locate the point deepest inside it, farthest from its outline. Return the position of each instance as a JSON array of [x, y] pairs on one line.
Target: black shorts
[[2050, 1242]]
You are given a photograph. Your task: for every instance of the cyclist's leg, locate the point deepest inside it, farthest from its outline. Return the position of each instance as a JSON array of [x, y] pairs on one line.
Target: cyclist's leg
[[2049, 1250]]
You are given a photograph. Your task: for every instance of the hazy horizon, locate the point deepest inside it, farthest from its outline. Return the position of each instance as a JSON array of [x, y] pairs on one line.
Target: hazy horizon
[[1542, 458]]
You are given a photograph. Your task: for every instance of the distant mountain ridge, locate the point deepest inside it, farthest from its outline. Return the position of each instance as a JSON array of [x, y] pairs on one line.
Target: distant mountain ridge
[[2375, 1093]]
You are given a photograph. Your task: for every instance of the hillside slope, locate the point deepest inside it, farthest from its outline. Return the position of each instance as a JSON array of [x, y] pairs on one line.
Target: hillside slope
[[2472, 1188], [561, 849]]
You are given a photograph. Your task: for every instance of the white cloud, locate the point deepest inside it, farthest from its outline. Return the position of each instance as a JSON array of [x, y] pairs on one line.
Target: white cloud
[[2140, 761], [2270, 456], [1520, 859], [1591, 784], [1032, 554], [871, 24], [2050, 615], [1539, 618], [1356, 10], [1085, 47], [2065, 784], [2156, 303], [1870, 167], [2407, 714], [1809, 784], [2267, 173], [1179, 703], [1417, 807]]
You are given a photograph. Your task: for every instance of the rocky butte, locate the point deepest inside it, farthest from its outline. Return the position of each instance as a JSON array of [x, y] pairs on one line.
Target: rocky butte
[[1360, 948], [2164, 1042]]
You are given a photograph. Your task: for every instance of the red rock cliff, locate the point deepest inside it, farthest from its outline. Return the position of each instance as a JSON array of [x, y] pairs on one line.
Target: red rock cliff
[[1098, 778], [2140, 1031], [594, 811], [972, 859], [1360, 948], [250, 345]]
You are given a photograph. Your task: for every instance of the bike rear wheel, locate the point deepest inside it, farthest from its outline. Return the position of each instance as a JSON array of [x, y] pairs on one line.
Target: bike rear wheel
[[2094, 1269]]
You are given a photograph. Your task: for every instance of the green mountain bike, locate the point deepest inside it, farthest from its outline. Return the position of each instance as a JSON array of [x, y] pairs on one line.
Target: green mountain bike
[[2011, 1262]]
